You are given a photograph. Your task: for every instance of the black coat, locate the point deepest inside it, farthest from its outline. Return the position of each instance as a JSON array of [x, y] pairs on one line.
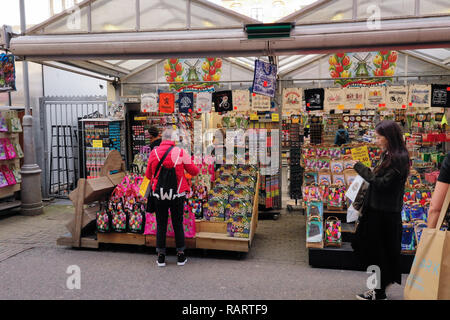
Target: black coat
[[378, 236], [386, 188]]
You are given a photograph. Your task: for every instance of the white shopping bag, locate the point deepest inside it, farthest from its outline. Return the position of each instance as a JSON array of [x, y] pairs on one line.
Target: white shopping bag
[[352, 214]]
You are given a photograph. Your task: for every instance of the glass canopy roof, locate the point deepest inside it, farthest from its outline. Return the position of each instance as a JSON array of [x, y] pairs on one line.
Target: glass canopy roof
[[100, 16]]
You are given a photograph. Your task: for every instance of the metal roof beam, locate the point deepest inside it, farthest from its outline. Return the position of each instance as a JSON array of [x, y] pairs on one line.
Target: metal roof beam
[[425, 59], [400, 34]]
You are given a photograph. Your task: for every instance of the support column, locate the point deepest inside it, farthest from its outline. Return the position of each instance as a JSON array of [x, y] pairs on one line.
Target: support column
[[31, 193]]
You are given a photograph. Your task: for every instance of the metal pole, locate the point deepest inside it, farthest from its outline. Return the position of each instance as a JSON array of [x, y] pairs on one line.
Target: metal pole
[[31, 193]]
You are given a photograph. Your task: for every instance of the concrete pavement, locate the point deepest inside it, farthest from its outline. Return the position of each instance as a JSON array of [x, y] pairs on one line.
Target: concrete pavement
[[32, 266]]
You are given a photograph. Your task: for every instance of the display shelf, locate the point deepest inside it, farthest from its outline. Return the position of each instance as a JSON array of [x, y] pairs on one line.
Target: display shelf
[[209, 235], [344, 258]]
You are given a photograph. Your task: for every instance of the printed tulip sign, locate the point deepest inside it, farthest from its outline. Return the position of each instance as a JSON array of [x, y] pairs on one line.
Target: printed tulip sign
[[352, 68], [193, 75]]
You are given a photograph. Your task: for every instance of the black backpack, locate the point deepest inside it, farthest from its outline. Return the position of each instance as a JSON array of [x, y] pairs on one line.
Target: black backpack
[[166, 187]]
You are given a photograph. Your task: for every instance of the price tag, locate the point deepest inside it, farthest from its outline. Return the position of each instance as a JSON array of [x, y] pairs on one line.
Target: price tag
[[275, 117], [341, 107], [97, 143], [254, 116], [140, 118], [359, 106], [295, 120], [361, 154]]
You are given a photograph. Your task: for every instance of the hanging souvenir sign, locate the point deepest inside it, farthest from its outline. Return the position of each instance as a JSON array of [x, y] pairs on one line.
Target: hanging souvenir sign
[[193, 75], [166, 103], [116, 110], [292, 100], [203, 102], [440, 96], [334, 97], [186, 102], [222, 101], [420, 96], [149, 102], [241, 100], [265, 78], [314, 99], [397, 97], [354, 97], [7, 73], [352, 68], [260, 102], [375, 97]]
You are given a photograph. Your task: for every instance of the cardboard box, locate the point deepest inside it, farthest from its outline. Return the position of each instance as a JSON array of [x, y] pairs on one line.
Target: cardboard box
[[116, 178], [95, 189]]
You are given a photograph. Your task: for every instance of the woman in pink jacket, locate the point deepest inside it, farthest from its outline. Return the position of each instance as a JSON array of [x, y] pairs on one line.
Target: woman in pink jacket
[[181, 160]]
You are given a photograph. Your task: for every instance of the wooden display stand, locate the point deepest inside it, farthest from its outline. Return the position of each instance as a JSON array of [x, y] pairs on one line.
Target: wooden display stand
[[87, 192], [209, 235]]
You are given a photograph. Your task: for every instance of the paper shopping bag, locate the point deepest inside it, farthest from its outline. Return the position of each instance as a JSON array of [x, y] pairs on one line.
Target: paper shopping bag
[[429, 278]]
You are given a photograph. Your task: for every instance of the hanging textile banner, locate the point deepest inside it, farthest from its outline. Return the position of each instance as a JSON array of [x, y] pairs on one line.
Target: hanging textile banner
[[204, 102], [292, 100], [314, 99], [260, 103], [241, 100], [186, 102], [375, 97], [354, 97], [420, 96], [166, 103], [440, 96], [179, 71], [397, 97], [116, 110], [334, 97], [149, 102], [7, 73], [265, 78], [222, 101]]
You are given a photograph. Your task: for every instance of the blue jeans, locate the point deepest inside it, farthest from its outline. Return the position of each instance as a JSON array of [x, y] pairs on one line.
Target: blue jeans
[[162, 215]]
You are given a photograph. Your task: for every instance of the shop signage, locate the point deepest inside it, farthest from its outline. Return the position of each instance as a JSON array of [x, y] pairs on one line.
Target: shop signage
[[166, 102], [361, 154], [193, 75], [362, 68], [275, 117], [97, 143], [265, 78]]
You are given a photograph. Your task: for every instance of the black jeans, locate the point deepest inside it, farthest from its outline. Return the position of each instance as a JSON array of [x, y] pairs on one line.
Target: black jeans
[[162, 215]]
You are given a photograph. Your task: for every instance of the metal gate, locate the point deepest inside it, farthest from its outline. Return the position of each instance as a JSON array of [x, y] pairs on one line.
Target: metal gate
[[60, 134]]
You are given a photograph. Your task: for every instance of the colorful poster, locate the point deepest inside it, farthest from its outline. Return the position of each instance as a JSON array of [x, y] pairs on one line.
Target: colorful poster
[[420, 96], [334, 97], [440, 96], [223, 101], [292, 100], [354, 97], [260, 102], [116, 110], [314, 99], [166, 102], [265, 78], [149, 102], [186, 102], [375, 97], [397, 97], [7, 73], [204, 102], [362, 67], [241, 100], [193, 75]]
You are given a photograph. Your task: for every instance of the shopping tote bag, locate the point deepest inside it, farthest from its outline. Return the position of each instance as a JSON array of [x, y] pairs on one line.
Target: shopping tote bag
[[429, 278]]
